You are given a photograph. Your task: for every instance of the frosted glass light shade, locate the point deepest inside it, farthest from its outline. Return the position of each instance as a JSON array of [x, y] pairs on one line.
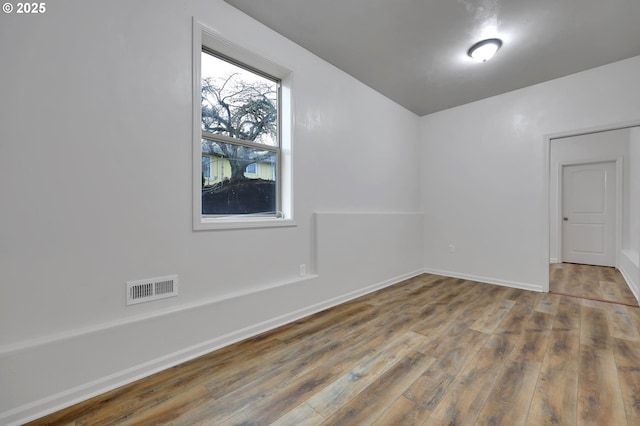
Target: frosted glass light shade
[[485, 49]]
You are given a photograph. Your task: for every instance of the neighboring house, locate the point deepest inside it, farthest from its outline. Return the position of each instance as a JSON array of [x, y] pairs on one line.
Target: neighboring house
[[216, 169]]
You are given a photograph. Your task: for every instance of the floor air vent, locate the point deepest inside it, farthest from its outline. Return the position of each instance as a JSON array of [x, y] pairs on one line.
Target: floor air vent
[[152, 289]]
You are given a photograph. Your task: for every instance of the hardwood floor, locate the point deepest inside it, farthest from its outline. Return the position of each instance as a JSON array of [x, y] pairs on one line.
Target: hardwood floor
[[590, 282], [428, 351]]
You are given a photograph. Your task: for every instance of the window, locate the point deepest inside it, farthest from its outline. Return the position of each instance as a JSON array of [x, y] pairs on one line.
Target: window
[[251, 169], [242, 132], [206, 167], [239, 110]]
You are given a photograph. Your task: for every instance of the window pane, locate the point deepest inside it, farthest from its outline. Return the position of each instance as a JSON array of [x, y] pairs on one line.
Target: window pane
[[230, 189], [206, 167], [251, 169], [238, 103]]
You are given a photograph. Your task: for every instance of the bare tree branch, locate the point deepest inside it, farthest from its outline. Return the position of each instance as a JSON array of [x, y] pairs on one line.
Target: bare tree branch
[[241, 110]]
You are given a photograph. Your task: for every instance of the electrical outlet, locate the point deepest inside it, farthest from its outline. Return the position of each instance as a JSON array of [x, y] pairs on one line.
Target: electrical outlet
[[303, 270], [452, 248]]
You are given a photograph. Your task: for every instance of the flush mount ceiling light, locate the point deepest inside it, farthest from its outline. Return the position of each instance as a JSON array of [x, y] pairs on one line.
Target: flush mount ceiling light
[[485, 49]]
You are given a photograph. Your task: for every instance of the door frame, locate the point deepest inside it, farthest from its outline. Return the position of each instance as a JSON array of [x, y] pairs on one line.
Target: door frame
[[619, 164], [546, 181]]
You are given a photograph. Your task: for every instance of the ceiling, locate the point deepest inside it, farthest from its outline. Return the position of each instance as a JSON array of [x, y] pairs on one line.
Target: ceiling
[[415, 51]]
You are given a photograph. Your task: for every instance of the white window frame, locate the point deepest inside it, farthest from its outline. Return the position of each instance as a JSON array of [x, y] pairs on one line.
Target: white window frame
[[204, 36]]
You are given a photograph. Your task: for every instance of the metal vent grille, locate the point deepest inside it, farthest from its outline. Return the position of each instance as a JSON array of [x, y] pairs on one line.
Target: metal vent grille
[[164, 287], [140, 291]]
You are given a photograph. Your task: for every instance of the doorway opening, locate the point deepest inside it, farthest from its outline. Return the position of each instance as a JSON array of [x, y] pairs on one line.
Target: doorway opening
[[591, 231]]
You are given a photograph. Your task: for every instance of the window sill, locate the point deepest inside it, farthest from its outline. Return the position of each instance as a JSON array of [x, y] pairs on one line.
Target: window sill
[[238, 223]]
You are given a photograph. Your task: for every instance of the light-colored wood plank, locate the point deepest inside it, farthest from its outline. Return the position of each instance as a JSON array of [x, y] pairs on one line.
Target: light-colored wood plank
[[453, 336], [568, 315], [269, 409], [373, 400], [627, 357], [557, 280], [610, 290], [403, 412], [235, 402], [431, 386], [599, 394], [508, 402], [432, 320], [555, 398], [532, 346], [303, 415], [170, 410], [433, 285], [514, 321], [594, 327], [634, 314], [548, 303], [324, 322], [490, 320], [621, 325], [340, 391], [461, 405]]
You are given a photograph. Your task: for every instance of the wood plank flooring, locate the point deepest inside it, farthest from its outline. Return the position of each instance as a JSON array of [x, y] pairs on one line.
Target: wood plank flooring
[[590, 282], [428, 351]]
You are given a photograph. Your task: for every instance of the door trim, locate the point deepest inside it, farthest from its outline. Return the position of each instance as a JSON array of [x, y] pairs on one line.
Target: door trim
[[546, 182], [619, 164]]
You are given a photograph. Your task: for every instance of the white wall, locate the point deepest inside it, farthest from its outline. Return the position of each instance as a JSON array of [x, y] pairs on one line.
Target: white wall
[[95, 181], [600, 146], [630, 256], [634, 189], [485, 171]]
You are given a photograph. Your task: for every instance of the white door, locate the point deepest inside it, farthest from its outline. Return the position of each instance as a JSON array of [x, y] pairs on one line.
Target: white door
[[588, 213]]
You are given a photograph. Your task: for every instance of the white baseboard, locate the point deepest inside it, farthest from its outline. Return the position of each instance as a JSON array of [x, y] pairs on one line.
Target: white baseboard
[[44, 350], [487, 280], [630, 271], [632, 286]]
